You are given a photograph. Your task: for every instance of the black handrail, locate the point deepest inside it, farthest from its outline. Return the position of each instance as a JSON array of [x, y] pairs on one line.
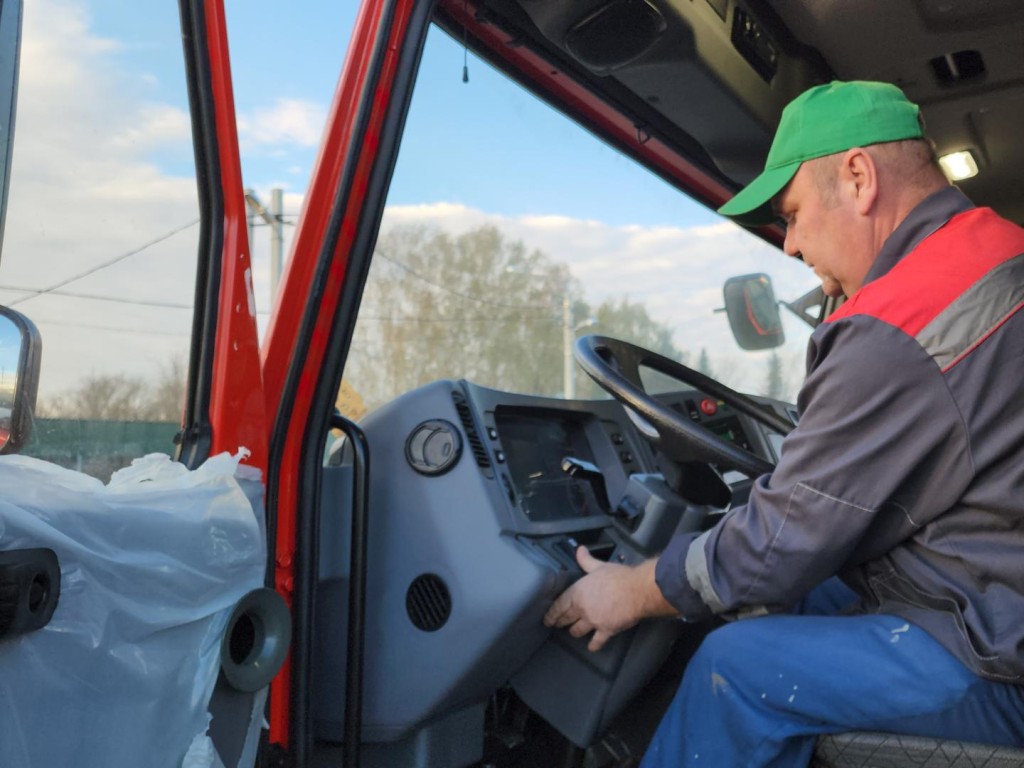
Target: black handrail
[[356, 590]]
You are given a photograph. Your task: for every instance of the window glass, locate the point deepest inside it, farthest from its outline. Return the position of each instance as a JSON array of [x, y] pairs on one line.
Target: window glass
[[509, 231], [102, 226]]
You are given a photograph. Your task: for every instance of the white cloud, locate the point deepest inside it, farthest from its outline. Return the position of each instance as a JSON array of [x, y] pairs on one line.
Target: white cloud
[[87, 187], [554, 223], [294, 122], [158, 124]]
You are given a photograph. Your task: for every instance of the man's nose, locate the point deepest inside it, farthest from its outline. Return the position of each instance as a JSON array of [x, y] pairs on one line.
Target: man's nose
[[789, 244]]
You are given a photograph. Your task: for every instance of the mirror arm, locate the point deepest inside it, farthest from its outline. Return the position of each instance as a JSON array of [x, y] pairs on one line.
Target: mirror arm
[[814, 298]]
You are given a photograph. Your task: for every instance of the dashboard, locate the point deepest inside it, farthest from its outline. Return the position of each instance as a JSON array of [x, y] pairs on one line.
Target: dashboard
[[478, 501]]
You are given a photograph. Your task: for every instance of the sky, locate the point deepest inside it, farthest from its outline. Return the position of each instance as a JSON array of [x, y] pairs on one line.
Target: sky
[[103, 203]]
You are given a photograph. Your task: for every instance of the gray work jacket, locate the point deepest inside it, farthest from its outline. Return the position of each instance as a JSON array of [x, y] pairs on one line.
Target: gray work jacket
[[905, 475]]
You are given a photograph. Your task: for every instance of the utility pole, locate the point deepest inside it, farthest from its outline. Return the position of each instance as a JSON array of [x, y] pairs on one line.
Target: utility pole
[[569, 331], [275, 219], [276, 238], [568, 369], [568, 336]]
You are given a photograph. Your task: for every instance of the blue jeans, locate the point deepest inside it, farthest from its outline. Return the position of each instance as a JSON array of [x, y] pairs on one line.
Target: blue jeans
[[758, 692]]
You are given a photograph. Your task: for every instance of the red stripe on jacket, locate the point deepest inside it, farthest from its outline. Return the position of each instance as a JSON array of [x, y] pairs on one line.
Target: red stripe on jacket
[[935, 273]]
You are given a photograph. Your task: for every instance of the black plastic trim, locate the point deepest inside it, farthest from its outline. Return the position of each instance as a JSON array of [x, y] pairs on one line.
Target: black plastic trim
[[353, 725], [23, 409], [29, 590], [11, 13], [195, 439]]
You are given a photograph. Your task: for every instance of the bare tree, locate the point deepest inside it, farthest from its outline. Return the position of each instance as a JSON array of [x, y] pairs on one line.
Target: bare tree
[[476, 306], [167, 397], [109, 397], [120, 397]]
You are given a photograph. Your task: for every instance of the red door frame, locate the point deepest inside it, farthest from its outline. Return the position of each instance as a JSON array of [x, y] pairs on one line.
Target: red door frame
[[349, 153], [237, 406]]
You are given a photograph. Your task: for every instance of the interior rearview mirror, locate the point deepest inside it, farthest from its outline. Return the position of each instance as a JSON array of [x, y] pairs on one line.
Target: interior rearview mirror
[[753, 312], [20, 350]]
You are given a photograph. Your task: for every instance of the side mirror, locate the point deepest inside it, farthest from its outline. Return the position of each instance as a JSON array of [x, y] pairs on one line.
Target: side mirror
[[753, 312], [20, 351]]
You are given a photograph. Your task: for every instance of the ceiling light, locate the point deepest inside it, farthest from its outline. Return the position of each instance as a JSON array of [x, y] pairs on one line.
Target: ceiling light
[[959, 165]]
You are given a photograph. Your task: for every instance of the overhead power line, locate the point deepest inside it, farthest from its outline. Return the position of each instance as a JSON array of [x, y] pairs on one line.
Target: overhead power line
[[96, 297], [106, 264], [55, 290], [177, 334], [419, 320], [467, 296]]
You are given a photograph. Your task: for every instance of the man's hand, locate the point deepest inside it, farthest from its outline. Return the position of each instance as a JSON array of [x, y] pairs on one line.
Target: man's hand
[[610, 598]]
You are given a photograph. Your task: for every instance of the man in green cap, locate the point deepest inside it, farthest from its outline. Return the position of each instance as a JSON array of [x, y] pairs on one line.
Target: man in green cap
[[903, 477]]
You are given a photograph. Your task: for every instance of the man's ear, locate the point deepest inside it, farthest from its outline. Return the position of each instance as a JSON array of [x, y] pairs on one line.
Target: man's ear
[[858, 174]]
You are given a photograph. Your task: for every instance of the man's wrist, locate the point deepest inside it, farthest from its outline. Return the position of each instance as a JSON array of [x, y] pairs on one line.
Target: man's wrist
[[674, 583], [651, 601]]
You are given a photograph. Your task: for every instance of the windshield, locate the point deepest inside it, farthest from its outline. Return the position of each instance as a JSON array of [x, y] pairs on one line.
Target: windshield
[[510, 231]]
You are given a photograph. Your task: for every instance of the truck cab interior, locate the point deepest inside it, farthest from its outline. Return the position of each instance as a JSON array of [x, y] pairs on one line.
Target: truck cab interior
[[478, 487], [509, 323]]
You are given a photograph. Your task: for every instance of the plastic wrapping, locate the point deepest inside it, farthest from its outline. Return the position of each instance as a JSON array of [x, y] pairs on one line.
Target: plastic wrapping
[[151, 567]]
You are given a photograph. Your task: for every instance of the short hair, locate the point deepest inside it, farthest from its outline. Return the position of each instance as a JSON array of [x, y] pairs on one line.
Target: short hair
[[914, 161]]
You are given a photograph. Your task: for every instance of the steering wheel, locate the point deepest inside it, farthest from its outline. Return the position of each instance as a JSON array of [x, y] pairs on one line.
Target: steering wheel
[[615, 366]]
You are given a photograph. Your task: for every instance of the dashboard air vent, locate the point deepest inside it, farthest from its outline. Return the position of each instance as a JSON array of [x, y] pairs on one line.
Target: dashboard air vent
[[475, 443], [428, 602]]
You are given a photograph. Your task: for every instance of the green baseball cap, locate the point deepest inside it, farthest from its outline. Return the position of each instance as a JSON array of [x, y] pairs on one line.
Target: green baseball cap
[[823, 121]]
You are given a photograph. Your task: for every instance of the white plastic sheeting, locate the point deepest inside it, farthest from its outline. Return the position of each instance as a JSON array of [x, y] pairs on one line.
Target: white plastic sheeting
[[151, 566]]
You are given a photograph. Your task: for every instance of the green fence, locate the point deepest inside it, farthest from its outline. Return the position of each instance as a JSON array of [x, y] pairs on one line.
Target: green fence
[[98, 447]]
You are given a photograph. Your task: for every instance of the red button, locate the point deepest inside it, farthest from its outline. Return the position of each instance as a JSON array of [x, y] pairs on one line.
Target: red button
[[708, 407]]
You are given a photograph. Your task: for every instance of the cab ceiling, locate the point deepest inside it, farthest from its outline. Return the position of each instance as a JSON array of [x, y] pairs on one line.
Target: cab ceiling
[[897, 41], [681, 63]]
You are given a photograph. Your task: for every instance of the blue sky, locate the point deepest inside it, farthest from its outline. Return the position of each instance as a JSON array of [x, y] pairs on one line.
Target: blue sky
[[289, 58], [441, 119], [311, 40]]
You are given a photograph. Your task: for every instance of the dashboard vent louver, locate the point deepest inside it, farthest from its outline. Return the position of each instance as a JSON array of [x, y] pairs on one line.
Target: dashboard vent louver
[[428, 602], [475, 443]]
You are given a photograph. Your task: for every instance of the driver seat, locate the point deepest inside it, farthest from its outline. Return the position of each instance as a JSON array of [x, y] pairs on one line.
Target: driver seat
[[890, 750]]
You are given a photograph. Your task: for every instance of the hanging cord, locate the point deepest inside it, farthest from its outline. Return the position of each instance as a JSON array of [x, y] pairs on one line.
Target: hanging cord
[[465, 46]]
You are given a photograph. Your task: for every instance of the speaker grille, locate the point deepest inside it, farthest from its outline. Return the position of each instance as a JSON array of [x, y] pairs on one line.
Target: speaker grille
[[615, 34], [428, 602]]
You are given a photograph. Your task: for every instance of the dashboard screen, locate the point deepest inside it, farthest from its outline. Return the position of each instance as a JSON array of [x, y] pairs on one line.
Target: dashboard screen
[[534, 446]]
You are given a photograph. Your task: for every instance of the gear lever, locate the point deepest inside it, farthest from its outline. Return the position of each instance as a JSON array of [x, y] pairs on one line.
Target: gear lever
[[579, 469]]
